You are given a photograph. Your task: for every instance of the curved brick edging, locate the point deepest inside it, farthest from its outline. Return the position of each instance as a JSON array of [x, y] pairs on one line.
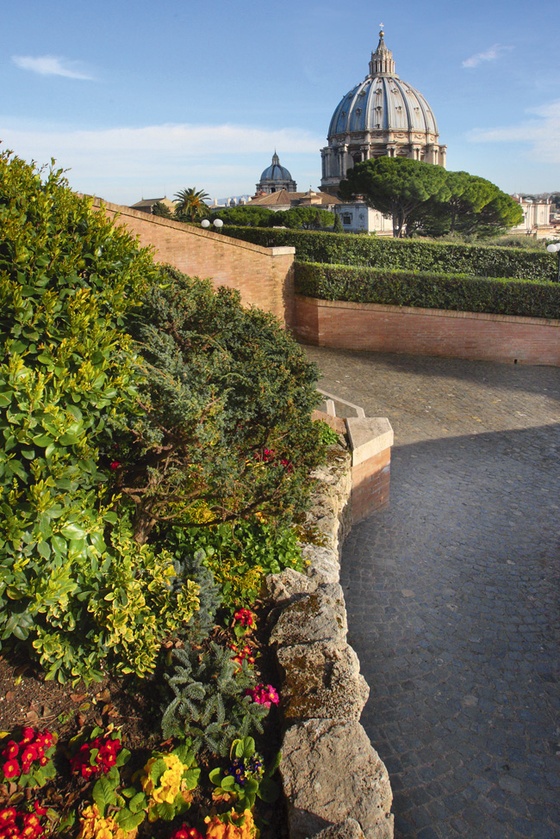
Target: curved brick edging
[[334, 781]]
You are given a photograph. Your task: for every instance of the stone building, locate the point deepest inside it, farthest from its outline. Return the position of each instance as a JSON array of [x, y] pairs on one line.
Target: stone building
[[537, 217], [380, 116]]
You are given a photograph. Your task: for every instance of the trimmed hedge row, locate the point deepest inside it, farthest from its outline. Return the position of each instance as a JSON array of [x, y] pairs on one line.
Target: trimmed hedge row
[[409, 254], [427, 290]]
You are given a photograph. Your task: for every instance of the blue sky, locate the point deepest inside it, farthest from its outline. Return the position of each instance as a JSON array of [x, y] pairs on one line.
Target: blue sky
[[141, 99]]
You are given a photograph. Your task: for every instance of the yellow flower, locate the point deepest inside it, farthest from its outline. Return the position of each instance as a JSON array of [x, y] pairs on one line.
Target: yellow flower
[[170, 783], [218, 829], [94, 826]]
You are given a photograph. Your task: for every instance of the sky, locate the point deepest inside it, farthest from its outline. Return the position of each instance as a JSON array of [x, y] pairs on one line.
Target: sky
[[142, 98]]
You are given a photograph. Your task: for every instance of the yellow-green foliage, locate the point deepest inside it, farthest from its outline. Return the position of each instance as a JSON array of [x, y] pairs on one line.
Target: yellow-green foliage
[[68, 375]]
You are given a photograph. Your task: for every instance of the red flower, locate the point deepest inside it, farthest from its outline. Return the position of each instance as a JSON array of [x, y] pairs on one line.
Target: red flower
[[114, 465], [245, 617], [30, 754], [11, 769], [7, 816], [11, 750], [28, 736], [185, 832], [96, 757]]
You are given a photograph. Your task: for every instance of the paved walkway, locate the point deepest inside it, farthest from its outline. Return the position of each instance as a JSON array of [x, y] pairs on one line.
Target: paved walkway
[[453, 592]]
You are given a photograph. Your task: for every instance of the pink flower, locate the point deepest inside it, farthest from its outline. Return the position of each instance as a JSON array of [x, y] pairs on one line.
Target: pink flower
[[265, 695]]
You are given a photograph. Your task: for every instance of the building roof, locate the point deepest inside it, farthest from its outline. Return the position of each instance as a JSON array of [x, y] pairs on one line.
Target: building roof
[[284, 198], [382, 101], [146, 204]]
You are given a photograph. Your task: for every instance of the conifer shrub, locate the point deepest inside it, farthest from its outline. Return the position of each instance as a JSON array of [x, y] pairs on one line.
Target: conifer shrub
[[228, 395], [210, 704]]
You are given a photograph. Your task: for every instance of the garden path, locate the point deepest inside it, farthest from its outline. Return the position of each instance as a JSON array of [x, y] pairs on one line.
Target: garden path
[[453, 592]]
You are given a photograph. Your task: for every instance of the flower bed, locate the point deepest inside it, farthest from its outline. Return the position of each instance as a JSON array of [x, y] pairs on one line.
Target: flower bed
[[98, 771]]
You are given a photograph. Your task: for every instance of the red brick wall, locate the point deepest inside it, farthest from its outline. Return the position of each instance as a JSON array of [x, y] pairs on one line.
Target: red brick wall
[[370, 485], [368, 326], [264, 276]]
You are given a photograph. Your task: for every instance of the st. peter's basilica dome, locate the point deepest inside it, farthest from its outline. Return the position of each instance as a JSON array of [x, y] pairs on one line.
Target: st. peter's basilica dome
[[381, 116]]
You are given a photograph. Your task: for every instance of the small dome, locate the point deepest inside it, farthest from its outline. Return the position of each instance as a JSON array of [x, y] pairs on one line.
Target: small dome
[[275, 178], [275, 172]]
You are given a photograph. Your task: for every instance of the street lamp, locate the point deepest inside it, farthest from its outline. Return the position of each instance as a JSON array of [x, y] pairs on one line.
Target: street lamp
[[555, 249], [217, 224]]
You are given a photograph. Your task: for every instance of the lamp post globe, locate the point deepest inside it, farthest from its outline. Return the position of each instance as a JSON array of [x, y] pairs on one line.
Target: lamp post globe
[[555, 248], [205, 223]]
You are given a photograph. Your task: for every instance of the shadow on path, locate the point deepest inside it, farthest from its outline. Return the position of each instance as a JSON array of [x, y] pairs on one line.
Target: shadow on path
[[453, 604]]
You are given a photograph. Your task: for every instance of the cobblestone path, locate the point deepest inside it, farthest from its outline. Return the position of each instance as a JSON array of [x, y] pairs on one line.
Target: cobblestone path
[[453, 592]]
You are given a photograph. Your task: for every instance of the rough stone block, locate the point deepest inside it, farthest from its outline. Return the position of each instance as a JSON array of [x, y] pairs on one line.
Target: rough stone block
[[288, 585], [348, 829], [324, 564], [322, 681], [317, 752], [320, 616]]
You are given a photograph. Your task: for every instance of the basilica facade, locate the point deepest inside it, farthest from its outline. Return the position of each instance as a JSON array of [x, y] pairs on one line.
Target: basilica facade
[[380, 116]]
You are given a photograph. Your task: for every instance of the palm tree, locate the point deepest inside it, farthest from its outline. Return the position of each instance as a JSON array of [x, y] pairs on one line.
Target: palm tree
[[190, 204]]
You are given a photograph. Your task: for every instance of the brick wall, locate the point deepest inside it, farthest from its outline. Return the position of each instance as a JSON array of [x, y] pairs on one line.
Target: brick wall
[[371, 482], [264, 276], [369, 326]]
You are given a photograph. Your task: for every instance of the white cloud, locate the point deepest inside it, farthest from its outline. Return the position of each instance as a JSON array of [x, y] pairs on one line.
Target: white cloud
[[491, 54], [155, 159], [541, 134], [52, 65]]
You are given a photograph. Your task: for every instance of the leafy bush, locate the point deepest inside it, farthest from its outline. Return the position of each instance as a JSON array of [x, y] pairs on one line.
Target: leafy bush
[[428, 290], [72, 584], [241, 554], [407, 255]]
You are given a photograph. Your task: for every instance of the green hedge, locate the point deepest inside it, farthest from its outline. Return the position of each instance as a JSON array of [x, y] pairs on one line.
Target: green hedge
[[407, 255], [456, 292]]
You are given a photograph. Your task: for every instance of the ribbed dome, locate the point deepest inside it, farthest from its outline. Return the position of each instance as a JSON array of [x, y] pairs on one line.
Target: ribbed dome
[[381, 116], [275, 172], [382, 101], [275, 178]]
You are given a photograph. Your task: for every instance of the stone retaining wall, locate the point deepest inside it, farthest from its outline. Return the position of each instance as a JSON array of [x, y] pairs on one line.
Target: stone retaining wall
[[335, 783]]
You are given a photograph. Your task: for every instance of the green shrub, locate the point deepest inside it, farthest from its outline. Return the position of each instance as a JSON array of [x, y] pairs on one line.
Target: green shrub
[[406, 254], [210, 705], [228, 397], [241, 554], [73, 585], [428, 290]]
